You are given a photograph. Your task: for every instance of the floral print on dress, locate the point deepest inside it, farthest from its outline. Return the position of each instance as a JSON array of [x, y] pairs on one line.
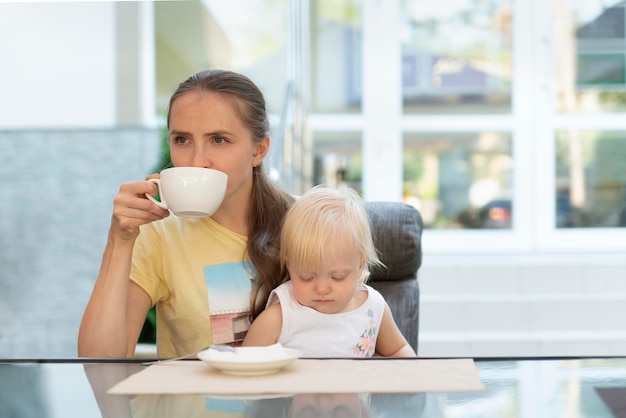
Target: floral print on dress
[[366, 345]]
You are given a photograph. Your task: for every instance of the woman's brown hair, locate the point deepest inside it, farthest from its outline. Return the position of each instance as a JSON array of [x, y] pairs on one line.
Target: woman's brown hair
[[268, 202]]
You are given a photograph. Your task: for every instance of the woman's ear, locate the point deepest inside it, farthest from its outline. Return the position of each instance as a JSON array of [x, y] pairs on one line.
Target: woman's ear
[[261, 150]]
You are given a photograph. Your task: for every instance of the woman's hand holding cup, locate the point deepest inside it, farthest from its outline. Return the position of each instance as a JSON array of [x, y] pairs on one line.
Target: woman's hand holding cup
[[131, 209]]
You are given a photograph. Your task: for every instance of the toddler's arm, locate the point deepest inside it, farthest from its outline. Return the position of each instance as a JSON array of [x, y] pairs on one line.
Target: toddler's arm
[[265, 329], [390, 341]]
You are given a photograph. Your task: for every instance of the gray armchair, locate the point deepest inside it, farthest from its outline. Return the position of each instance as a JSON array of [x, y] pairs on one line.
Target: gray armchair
[[397, 231]]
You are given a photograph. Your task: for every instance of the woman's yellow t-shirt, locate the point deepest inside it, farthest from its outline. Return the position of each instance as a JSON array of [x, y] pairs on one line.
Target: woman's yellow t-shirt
[[199, 276]]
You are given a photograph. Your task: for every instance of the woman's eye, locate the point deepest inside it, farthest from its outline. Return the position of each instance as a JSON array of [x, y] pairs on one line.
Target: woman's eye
[[219, 140], [180, 140]]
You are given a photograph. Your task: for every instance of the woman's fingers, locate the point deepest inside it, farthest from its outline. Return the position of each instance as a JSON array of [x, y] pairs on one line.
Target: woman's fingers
[[131, 207]]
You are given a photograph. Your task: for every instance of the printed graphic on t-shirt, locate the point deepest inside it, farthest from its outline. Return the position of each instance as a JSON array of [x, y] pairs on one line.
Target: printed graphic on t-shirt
[[366, 345], [229, 286]]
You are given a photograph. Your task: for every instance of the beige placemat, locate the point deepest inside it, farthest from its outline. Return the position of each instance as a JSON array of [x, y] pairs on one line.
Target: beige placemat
[[309, 376]]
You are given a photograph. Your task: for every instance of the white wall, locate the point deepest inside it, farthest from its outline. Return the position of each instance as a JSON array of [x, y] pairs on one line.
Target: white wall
[[485, 306], [76, 121], [57, 65]]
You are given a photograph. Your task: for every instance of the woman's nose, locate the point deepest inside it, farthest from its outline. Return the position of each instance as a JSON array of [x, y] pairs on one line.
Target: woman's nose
[[201, 159]]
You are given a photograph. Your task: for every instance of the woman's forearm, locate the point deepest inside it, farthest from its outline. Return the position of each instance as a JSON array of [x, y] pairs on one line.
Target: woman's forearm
[[103, 330]]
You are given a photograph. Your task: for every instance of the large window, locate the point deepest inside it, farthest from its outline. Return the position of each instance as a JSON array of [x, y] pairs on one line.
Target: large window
[[501, 120]]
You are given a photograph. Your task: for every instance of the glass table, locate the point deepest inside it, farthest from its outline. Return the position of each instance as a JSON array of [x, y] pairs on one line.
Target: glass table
[[514, 387]]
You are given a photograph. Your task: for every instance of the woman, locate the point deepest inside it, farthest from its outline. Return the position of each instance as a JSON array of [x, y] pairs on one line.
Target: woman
[[206, 276]]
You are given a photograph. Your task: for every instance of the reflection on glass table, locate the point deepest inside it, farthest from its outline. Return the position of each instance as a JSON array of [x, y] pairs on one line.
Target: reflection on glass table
[[526, 388]]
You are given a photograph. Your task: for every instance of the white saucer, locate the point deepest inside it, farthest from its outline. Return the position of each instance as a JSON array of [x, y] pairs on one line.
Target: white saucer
[[250, 361]]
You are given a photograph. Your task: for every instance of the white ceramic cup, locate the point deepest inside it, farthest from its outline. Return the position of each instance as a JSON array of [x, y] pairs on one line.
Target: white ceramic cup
[[190, 192]]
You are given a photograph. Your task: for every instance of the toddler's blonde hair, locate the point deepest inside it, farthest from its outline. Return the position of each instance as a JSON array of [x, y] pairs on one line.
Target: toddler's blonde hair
[[319, 215]]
